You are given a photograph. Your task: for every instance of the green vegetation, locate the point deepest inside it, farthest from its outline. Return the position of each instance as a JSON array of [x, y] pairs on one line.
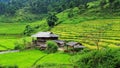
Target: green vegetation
[[107, 58], [19, 28], [29, 11], [11, 43], [87, 29], [93, 23], [16, 28], [27, 58], [12, 33], [19, 59], [52, 47], [51, 20], [81, 59], [6, 44], [22, 11]]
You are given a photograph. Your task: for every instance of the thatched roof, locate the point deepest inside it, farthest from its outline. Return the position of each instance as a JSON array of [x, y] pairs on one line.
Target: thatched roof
[[44, 34]]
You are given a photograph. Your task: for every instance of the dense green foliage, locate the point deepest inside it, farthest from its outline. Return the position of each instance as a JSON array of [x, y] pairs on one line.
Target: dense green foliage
[[107, 58], [30, 10], [28, 30], [52, 47], [39, 6], [51, 20], [111, 4]]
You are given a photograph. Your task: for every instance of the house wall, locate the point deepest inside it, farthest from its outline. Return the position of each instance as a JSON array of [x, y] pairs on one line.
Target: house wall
[[40, 41], [45, 39]]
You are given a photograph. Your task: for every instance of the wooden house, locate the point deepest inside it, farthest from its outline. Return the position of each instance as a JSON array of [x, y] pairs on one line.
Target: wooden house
[[60, 43], [42, 37], [75, 45]]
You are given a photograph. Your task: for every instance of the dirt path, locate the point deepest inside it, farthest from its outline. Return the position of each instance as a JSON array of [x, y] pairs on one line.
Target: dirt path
[[9, 51], [61, 49]]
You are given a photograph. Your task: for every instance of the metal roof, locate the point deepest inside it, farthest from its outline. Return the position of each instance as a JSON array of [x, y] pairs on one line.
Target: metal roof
[[75, 44], [59, 41], [44, 34], [79, 46], [72, 43]]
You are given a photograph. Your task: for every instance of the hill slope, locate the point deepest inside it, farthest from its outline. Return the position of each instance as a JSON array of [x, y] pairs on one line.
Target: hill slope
[[80, 27]]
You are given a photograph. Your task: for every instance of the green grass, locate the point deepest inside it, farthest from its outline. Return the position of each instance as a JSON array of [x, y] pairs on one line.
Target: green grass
[[2, 48], [9, 44], [12, 28], [23, 59], [26, 59], [11, 33], [18, 28], [56, 58]]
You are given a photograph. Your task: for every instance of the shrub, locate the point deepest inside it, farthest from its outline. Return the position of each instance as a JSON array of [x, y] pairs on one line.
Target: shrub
[[52, 47], [70, 14], [108, 58], [19, 46], [28, 30]]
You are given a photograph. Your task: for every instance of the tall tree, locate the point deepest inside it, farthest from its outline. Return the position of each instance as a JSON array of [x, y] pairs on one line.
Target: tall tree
[[51, 20]]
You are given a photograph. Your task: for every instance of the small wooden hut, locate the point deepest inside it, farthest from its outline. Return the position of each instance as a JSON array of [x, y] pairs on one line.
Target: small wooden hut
[[60, 43], [75, 45]]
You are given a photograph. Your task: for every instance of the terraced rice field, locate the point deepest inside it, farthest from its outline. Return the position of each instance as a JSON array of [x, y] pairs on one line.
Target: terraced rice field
[[11, 33], [29, 58], [7, 44], [16, 28], [107, 30], [10, 43]]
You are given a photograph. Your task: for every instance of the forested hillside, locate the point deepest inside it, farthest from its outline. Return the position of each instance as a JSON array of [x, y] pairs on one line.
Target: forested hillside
[[38, 6], [31, 10]]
